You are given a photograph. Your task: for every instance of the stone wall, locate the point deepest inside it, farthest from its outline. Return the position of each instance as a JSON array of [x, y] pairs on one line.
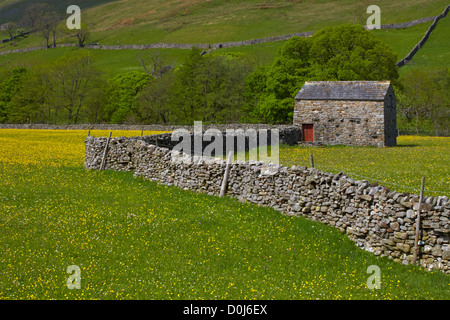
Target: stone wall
[[290, 137], [377, 219], [207, 46], [359, 123], [424, 39]]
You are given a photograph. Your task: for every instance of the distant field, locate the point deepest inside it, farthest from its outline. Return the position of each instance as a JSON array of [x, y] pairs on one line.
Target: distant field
[[433, 54], [403, 40], [436, 51], [140, 22], [135, 239], [111, 62], [143, 22]]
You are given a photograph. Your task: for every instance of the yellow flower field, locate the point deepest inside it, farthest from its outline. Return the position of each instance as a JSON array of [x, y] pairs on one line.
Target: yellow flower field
[[135, 239]]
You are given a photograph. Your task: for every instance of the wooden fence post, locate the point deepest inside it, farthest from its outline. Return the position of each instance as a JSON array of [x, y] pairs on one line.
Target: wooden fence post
[[102, 165], [311, 158], [227, 172], [416, 240]]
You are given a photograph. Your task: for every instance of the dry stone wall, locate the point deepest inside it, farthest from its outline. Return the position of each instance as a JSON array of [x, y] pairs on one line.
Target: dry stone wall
[[377, 219]]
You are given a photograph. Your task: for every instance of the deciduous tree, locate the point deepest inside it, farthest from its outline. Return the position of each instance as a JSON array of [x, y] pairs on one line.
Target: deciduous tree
[[341, 53]]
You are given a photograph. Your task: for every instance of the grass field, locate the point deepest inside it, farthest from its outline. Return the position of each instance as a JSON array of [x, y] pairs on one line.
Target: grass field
[[399, 168], [193, 21], [134, 239]]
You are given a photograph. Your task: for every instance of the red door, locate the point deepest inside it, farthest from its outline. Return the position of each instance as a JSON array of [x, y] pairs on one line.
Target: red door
[[308, 132]]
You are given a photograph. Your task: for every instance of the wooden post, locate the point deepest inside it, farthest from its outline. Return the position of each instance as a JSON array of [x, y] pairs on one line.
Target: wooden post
[[311, 158], [416, 241], [142, 132], [89, 133], [102, 165], [227, 172]]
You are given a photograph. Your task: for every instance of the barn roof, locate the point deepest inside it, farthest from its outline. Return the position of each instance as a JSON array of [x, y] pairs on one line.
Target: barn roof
[[344, 90]]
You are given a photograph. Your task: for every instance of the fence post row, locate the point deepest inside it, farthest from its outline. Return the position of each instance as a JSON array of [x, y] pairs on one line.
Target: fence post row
[[102, 165]]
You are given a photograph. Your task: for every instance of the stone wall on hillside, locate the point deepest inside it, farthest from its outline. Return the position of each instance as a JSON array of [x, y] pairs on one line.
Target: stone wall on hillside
[[377, 219], [424, 39]]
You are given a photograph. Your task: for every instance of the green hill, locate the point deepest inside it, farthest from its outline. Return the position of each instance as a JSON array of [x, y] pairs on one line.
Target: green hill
[[141, 22]]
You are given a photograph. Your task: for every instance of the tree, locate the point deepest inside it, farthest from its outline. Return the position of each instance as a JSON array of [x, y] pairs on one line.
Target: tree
[[271, 89], [33, 14], [80, 34], [426, 95], [187, 89], [154, 63], [210, 87], [47, 25], [10, 27], [341, 53], [224, 86], [96, 101], [351, 53], [154, 102], [9, 86], [29, 104]]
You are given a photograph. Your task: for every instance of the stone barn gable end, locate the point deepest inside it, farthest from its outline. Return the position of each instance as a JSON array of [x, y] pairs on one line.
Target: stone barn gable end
[[356, 113]]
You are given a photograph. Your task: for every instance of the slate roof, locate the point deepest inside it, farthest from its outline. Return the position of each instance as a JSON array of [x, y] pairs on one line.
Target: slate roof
[[344, 90]]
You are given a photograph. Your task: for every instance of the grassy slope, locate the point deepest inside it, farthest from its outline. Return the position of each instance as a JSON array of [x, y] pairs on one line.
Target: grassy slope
[[141, 22], [177, 245], [137, 21], [132, 22], [433, 54]]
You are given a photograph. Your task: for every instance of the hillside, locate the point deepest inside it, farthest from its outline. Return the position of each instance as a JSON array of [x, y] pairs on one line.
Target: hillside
[[130, 22]]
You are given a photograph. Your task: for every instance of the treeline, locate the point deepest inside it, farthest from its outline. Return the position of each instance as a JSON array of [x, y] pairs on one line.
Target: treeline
[[217, 87], [72, 90], [423, 101]]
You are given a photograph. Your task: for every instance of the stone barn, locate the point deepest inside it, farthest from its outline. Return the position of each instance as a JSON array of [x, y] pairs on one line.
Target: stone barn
[[356, 113]]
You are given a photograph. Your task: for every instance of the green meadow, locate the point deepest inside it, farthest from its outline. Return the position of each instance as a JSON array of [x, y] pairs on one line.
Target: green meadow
[[138, 22]]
